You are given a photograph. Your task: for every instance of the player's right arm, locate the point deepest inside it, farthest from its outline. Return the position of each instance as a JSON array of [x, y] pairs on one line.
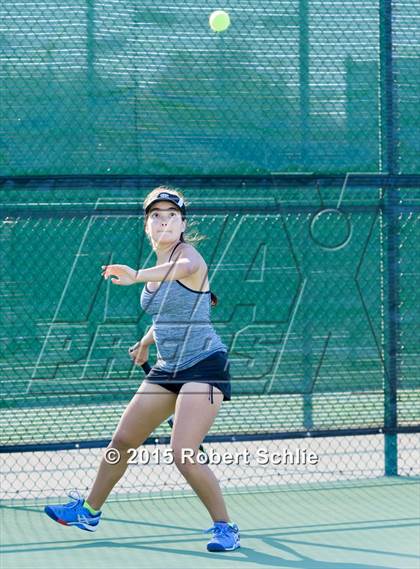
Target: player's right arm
[[148, 338], [139, 353]]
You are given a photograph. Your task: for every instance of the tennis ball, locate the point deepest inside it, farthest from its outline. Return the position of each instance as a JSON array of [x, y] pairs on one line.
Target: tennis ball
[[219, 21]]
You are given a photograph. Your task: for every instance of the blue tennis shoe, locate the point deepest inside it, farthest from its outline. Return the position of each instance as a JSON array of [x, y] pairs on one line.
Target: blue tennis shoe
[[74, 514], [225, 537]]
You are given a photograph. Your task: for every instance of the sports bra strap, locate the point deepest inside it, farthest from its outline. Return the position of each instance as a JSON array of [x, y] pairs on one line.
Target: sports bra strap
[[173, 250]]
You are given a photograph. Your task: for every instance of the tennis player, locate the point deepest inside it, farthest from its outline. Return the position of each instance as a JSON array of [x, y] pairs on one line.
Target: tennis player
[[189, 380]]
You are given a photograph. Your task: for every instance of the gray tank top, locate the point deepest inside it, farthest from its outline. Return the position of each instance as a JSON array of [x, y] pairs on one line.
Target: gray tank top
[[183, 331]]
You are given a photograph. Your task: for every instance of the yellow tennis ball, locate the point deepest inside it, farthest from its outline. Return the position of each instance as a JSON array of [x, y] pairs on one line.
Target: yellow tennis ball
[[219, 21]]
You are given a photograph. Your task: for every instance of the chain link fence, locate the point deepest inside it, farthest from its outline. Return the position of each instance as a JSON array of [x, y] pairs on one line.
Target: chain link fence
[[148, 89], [304, 293], [316, 269]]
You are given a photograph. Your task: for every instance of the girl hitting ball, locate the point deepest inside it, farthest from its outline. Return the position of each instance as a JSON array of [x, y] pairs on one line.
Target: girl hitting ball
[[190, 378]]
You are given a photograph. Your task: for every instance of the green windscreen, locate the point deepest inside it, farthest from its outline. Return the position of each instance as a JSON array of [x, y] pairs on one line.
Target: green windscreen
[[303, 305], [147, 88]]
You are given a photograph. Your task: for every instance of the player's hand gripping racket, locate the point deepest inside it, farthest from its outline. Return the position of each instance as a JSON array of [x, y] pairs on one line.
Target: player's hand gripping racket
[[146, 368]]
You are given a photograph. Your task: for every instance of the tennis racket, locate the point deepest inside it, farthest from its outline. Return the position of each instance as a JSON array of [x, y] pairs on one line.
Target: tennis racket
[[146, 368]]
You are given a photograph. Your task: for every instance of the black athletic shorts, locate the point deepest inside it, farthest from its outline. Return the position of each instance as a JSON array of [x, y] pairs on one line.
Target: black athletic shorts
[[214, 370]]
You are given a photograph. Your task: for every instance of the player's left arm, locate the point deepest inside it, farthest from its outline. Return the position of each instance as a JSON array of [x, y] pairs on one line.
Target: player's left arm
[[187, 262]]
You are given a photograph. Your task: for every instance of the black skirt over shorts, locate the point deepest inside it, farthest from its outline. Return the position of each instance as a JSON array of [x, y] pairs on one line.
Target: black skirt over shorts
[[213, 370]]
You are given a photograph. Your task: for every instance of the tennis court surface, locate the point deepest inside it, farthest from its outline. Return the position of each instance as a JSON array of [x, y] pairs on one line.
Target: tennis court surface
[[370, 525]]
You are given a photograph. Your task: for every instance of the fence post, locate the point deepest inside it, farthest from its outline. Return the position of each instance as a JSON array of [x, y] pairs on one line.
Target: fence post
[[389, 163], [91, 81], [304, 83]]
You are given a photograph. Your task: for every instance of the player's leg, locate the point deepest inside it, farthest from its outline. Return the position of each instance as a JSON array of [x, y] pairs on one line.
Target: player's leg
[[149, 407], [194, 415]]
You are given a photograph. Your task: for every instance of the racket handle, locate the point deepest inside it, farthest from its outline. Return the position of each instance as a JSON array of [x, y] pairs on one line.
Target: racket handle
[[146, 367]]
